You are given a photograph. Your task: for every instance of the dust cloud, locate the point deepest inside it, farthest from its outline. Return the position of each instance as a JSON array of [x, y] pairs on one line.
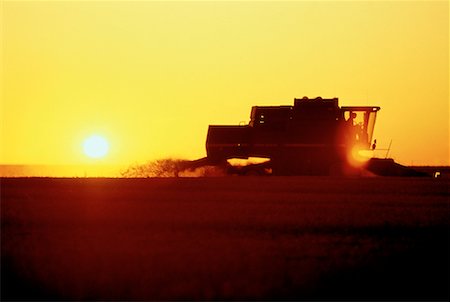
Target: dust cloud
[[170, 167]]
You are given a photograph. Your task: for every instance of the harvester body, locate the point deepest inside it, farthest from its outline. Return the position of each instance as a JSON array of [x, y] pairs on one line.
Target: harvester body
[[312, 137]]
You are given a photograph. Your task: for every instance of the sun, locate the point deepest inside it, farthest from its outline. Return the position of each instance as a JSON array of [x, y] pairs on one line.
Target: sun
[[95, 146]]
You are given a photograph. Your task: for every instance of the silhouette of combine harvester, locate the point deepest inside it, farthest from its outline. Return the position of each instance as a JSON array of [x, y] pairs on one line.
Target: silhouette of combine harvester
[[312, 137]]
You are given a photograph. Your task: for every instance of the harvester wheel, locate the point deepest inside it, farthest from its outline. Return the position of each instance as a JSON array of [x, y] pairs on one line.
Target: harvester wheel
[[252, 172]]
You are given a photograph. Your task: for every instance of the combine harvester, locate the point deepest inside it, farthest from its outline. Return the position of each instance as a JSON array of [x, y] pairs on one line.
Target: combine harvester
[[312, 137]]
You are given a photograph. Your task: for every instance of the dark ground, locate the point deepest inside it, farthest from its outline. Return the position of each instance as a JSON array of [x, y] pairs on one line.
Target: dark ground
[[228, 238]]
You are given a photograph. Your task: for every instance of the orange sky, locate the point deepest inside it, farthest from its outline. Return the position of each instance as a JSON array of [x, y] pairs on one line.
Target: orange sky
[[151, 76]]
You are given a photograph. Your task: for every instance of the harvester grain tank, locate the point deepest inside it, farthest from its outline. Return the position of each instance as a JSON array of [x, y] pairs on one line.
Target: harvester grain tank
[[312, 137]]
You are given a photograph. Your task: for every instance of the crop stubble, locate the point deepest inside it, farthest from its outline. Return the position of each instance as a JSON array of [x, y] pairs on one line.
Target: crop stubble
[[225, 238]]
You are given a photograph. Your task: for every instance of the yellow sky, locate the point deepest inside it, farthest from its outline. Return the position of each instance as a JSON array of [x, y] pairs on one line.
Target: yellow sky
[[151, 76]]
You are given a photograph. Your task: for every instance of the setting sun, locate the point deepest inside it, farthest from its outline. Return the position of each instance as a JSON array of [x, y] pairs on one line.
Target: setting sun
[[95, 146]]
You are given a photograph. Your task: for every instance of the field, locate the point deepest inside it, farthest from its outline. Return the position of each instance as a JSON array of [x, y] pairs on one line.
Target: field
[[225, 238]]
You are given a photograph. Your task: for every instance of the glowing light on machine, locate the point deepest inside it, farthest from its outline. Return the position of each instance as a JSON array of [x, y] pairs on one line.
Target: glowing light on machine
[[358, 157]]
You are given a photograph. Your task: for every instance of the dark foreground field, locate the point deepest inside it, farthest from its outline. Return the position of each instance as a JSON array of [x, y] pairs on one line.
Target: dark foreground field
[[266, 238]]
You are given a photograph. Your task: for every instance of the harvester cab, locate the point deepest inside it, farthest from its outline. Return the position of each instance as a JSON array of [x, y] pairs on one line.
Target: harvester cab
[[361, 122]]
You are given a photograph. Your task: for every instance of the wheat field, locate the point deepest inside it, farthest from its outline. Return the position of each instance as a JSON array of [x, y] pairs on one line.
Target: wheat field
[[225, 238]]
